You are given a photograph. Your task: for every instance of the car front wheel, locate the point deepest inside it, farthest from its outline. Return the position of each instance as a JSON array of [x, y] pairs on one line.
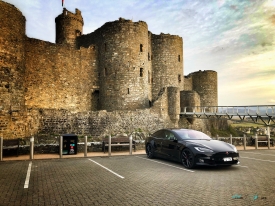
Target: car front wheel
[[188, 159], [149, 151]]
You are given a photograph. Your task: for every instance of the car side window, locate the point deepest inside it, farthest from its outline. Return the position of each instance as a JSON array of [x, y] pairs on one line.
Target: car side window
[[159, 134], [169, 135]]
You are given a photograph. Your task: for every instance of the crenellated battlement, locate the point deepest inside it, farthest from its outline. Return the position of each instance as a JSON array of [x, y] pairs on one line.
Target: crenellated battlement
[[69, 15]]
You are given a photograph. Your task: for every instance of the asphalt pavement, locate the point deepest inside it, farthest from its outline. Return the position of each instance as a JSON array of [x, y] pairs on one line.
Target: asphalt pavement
[[123, 179]]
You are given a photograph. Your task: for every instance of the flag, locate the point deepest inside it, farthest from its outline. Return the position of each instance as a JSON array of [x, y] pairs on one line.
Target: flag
[[62, 2]]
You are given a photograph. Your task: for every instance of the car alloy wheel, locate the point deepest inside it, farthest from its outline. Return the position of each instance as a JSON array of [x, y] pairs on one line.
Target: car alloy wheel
[[149, 151], [188, 159]]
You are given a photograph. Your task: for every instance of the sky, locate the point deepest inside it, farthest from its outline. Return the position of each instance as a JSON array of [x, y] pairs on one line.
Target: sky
[[235, 38]]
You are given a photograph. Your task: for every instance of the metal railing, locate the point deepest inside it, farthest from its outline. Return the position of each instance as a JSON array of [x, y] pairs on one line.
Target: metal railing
[[244, 141], [265, 113]]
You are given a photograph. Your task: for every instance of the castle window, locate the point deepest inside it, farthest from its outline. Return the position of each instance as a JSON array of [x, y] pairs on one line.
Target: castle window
[[149, 56], [105, 72], [152, 57], [141, 72], [78, 33], [179, 58], [179, 78], [128, 91], [141, 48]]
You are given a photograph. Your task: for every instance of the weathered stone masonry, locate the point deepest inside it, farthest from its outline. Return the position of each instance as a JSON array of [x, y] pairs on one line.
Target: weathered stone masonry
[[119, 78]]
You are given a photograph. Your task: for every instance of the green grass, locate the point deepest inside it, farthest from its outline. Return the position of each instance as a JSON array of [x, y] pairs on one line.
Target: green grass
[[246, 124]]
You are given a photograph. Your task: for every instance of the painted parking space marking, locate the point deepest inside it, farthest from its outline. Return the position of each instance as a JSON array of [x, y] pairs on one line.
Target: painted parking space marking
[[258, 159], [26, 185], [241, 166], [165, 164], [107, 169]]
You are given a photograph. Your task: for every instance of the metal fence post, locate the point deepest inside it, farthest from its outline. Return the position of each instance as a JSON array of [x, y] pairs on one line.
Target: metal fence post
[[60, 146], [256, 141], [31, 147], [1, 148], [230, 138], [244, 142], [131, 144], [85, 146], [109, 145]]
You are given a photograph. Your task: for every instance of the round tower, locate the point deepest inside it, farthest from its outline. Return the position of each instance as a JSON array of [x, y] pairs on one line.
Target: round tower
[[12, 58], [124, 68], [167, 62], [206, 84], [68, 27]]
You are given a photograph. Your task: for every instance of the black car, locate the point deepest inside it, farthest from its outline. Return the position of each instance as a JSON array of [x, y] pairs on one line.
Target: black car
[[190, 147]]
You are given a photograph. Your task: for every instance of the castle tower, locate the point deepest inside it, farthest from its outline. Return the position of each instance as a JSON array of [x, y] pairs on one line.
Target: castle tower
[[124, 68], [167, 62], [68, 27], [12, 58], [205, 83]]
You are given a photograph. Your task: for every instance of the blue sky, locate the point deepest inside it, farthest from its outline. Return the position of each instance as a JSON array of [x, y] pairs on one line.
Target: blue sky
[[236, 38]]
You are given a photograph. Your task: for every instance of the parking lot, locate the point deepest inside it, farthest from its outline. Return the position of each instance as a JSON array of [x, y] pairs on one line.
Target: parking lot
[[136, 180]]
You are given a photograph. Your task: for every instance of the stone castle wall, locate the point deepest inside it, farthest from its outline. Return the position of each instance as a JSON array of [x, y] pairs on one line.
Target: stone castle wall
[[205, 83], [119, 75], [12, 58], [68, 27], [188, 84], [123, 65], [167, 62], [59, 77]]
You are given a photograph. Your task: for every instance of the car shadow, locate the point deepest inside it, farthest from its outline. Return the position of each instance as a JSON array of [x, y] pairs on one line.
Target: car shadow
[[205, 168]]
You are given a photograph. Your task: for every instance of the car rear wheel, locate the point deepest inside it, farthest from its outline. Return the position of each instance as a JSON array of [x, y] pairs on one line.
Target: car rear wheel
[[149, 151], [188, 159]]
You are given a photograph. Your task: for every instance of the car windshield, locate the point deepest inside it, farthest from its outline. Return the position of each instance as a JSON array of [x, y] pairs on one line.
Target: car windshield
[[191, 134]]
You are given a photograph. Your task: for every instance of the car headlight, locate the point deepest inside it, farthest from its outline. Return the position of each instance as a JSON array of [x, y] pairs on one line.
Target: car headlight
[[203, 149]]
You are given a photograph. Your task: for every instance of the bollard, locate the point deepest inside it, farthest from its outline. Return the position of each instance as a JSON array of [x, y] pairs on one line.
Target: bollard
[[1, 148], [131, 144], [230, 138], [109, 145], [256, 142], [60, 146], [244, 142], [85, 147], [217, 137], [31, 147], [268, 137]]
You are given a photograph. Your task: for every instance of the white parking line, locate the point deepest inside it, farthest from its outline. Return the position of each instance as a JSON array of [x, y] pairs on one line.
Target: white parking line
[[26, 185], [240, 166], [166, 164], [258, 153], [258, 159], [107, 169]]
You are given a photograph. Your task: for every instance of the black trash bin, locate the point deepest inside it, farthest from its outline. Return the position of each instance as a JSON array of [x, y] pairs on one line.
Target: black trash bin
[[69, 144]]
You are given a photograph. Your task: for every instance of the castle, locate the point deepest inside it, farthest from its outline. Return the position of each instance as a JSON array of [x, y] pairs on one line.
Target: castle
[[118, 78]]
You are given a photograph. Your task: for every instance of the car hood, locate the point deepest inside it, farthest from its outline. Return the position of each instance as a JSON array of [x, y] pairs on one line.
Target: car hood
[[215, 145]]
